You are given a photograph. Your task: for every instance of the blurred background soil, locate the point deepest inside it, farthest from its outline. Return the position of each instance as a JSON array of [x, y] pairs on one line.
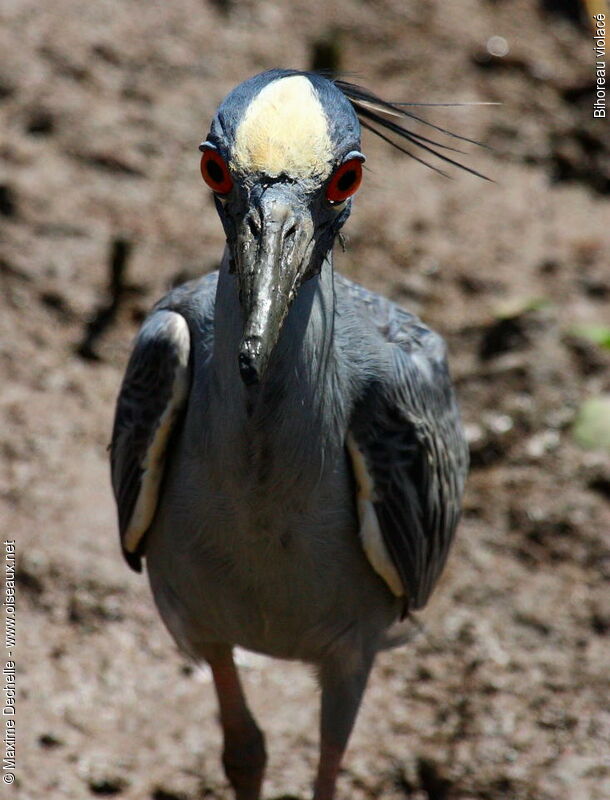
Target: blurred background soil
[[102, 105]]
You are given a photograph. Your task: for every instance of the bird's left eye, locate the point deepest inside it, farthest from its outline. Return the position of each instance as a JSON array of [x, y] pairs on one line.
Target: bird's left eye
[[215, 172], [345, 181]]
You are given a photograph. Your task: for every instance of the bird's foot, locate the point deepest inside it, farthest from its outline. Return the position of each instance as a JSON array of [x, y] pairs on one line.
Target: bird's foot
[[244, 762]]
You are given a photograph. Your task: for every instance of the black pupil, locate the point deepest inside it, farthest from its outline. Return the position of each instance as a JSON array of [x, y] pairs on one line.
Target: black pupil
[[347, 180], [215, 171]]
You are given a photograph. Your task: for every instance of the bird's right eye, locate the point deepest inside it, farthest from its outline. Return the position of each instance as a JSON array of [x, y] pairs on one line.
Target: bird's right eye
[[215, 172]]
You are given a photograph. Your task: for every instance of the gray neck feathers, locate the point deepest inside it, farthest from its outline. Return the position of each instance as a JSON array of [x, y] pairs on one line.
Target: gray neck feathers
[[290, 426]]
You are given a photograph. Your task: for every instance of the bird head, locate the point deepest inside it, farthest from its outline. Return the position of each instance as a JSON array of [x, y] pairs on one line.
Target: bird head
[[283, 160]]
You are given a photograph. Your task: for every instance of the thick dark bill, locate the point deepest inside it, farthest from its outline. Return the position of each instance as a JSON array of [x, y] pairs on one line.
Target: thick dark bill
[[273, 250]]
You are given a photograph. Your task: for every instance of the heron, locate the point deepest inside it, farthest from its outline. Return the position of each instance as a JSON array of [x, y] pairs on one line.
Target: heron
[[287, 452]]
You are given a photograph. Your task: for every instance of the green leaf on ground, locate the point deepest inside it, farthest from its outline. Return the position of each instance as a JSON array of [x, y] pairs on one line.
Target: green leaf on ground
[[518, 306], [592, 425], [598, 334]]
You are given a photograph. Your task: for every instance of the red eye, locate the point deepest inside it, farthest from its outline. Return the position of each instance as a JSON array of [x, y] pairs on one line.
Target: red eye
[[215, 172], [345, 181]]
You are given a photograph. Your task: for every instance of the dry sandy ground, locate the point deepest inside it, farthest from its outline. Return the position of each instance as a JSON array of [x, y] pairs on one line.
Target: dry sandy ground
[[102, 105]]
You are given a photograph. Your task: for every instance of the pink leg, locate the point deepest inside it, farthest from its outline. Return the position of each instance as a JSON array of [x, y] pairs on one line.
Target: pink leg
[[243, 756], [328, 770], [342, 691]]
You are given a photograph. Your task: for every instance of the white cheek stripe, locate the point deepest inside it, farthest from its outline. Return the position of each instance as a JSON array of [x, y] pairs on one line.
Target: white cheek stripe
[[370, 534], [284, 131], [154, 459]]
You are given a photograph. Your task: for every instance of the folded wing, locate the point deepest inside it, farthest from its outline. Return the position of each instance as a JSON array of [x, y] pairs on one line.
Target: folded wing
[[152, 397], [410, 461]]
